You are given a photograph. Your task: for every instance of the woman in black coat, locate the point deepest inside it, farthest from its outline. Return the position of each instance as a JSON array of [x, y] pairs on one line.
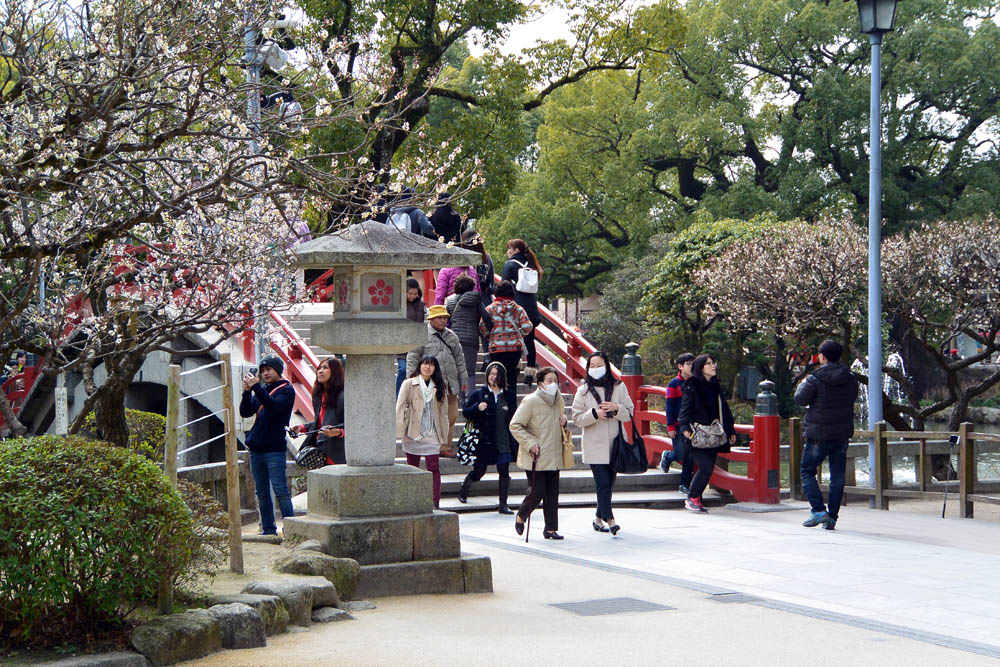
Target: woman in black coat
[[491, 408], [328, 408], [701, 404], [519, 256]]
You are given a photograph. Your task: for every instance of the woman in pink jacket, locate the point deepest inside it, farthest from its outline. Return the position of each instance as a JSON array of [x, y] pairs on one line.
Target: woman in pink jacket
[[446, 281]]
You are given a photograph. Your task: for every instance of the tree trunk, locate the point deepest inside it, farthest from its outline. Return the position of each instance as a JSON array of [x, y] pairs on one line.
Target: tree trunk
[[109, 414], [17, 429]]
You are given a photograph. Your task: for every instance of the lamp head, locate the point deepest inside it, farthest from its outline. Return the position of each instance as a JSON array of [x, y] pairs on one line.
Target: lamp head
[[876, 15]]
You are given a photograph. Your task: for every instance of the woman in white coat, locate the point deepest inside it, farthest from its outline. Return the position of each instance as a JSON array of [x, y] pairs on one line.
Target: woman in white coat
[[600, 406]]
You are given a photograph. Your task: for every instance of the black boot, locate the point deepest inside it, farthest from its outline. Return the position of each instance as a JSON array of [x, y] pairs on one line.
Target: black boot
[[463, 493], [504, 488]]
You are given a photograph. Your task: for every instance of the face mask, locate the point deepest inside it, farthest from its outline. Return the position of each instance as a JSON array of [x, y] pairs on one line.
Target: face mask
[[550, 389], [597, 373]]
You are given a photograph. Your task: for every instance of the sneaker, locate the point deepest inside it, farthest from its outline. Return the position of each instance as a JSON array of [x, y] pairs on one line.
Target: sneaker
[[684, 490], [694, 505], [830, 524], [665, 461], [815, 519]]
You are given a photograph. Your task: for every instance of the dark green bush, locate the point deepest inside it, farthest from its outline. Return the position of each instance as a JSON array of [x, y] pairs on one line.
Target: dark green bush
[[86, 531], [147, 432]]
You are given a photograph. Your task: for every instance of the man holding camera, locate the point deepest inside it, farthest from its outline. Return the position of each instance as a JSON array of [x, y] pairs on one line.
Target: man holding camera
[[271, 400], [829, 393]]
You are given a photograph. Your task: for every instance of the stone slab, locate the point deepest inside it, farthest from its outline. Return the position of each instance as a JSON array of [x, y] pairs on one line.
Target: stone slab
[[166, 640], [324, 593], [416, 578], [478, 573], [309, 545], [330, 615], [270, 607], [392, 539], [375, 244], [342, 573], [297, 596], [359, 605], [114, 659], [370, 491], [242, 626], [763, 508], [263, 539], [389, 336]]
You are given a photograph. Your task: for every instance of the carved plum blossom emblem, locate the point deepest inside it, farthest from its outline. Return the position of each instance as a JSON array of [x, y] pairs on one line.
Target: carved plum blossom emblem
[[380, 293]]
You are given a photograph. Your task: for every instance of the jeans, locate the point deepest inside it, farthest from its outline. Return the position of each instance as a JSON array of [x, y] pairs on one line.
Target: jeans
[[812, 456], [604, 480], [268, 469], [400, 374]]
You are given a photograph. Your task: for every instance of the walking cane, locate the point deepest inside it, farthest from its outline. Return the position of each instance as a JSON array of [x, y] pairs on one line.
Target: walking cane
[[531, 490]]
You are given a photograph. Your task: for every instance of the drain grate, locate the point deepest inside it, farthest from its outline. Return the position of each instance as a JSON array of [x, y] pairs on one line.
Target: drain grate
[[732, 597], [610, 606]]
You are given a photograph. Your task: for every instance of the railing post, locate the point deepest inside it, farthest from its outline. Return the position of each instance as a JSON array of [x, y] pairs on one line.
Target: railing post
[[923, 470], [882, 471], [633, 378], [763, 467], [165, 591], [795, 459], [966, 469], [232, 468]]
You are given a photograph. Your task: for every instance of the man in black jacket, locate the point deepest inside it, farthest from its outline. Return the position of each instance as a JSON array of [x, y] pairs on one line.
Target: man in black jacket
[[271, 400], [829, 392]]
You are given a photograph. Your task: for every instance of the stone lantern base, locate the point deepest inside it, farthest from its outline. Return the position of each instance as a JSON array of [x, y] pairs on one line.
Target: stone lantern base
[[384, 518]]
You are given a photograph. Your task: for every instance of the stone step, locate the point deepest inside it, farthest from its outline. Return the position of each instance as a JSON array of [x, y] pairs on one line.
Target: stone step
[[570, 481], [451, 466], [466, 574], [668, 499]]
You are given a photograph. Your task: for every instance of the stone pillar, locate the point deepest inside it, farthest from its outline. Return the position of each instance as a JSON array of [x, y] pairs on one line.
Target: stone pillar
[[372, 403]]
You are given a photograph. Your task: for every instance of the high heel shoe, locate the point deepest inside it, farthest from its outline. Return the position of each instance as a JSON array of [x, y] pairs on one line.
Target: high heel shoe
[[614, 529], [519, 527], [553, 535], [600, 528]]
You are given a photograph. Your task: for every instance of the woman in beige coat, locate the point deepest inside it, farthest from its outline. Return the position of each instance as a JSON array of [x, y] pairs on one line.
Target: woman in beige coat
[[600, 406], [537, 426], [422, 418]]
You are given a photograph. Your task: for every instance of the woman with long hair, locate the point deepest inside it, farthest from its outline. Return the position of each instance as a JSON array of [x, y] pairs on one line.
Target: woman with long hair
[[327, 429], [422, 418], [510, 328], [600, 406], [701, 404], [537, 426], [520, 256], [491, 408]]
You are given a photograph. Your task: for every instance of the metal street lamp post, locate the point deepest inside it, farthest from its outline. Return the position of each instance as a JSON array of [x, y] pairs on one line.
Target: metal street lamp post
[[876, 18]]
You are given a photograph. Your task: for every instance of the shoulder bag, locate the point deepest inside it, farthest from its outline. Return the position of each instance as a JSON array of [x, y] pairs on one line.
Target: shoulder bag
[[629, 458], [567, 449], [709, 436], [467, 444]]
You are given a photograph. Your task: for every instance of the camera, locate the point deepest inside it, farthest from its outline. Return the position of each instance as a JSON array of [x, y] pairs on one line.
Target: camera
[[252, 371], [952, 440], [611, 413]]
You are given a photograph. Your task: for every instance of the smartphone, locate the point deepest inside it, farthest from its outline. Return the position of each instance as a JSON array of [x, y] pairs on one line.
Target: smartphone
[[253, 371]]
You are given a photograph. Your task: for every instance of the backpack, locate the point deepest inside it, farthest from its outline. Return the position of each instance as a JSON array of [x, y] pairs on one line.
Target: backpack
[[485, 278], [401, 220], [527, 279]]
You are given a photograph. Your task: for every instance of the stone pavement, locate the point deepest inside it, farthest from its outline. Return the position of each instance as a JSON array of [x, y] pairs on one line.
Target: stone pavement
[[740, 589]]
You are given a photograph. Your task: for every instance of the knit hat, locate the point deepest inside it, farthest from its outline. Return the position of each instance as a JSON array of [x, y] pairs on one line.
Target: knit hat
[[274, 362], [437, 311]]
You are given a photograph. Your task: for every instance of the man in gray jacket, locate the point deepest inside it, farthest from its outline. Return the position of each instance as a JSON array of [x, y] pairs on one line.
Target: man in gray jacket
[[443, 344], [829, 392]]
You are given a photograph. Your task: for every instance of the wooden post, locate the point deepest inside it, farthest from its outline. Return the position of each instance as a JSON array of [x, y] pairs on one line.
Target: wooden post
[[232, 467], [883, 473], [966, 469], [795, 459], [923, 470], [165, 590]]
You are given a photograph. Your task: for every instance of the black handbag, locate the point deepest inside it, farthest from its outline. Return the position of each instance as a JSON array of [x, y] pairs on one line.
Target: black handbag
[[629, 458], [467, 444], [310, 458]]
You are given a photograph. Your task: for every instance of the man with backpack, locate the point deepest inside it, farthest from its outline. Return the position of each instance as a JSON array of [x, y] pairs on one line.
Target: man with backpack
[[411, 219]]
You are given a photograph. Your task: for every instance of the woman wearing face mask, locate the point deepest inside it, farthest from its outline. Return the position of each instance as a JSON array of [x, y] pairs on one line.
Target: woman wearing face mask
[[422, 418], [415, 310], [537, 426], [600, 406], [491, 408], [702, 403]]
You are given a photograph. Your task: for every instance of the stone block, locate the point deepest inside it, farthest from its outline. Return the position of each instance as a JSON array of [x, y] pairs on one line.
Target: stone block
[[330, 615], [263, 539], [374, 491], [114, 659], [297, 596], [169, 639], [341, 572], [242, 626], [324, 593], [414, 578], [369, 337], [478, 573], [309, 545], [374, 540], [359, 605], [436, 537], [270, 607]]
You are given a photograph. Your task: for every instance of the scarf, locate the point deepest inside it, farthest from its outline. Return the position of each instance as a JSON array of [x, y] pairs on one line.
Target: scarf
[[426, 389]]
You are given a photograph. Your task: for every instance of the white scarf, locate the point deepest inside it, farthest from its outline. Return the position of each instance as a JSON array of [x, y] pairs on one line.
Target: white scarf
[[426, 389]]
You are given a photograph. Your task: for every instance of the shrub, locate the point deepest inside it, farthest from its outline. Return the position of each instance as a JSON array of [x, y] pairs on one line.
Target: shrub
[[146, 432], [86, 531], [209, 539]]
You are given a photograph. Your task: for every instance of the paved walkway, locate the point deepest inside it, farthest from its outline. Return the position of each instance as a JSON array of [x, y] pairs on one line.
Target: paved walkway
[[743, 589]]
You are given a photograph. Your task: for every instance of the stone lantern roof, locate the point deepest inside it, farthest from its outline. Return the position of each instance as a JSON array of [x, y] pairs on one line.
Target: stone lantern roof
[[377, 244]]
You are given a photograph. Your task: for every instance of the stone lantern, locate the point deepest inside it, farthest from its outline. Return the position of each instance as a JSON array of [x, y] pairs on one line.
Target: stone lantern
[[373, 510]]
